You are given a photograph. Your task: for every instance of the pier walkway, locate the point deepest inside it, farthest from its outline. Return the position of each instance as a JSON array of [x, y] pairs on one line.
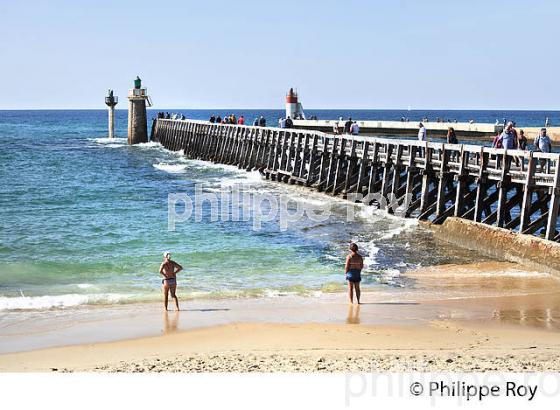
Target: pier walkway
[[408, 128], [516, 190], [464, 130]]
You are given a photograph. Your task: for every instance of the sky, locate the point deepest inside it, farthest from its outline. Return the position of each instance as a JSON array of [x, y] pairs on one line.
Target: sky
[[430, 54]]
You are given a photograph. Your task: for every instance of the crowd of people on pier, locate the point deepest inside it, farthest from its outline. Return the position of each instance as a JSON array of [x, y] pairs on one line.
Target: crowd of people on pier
[[438, 120], [259, 121], [171, 116], [346, 127], [510, 138]]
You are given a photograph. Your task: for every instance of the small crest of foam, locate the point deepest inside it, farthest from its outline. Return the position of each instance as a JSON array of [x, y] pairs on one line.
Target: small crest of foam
[[110, 141], [170, 168]]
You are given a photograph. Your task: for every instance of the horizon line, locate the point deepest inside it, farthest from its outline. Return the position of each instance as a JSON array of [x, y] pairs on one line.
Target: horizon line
[[282, 109]]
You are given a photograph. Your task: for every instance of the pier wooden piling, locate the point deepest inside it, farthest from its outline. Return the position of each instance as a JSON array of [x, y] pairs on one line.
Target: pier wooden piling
[[512, 189]]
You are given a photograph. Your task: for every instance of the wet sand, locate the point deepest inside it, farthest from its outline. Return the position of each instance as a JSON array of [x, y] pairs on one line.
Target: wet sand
[[492, 316]]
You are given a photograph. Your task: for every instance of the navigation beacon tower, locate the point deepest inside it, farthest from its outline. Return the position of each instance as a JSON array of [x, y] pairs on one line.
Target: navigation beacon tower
[[111, 101], [137, 120], [294, 110]]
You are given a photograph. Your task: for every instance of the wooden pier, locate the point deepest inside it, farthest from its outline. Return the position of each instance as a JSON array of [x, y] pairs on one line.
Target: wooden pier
[[512, 189]]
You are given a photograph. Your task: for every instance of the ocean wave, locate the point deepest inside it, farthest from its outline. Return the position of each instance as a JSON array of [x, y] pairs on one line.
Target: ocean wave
[[60, 301], [369, 250], [207, 164], [149, 144], [111, 141], [170, 168], [244, 178], [74, 300]]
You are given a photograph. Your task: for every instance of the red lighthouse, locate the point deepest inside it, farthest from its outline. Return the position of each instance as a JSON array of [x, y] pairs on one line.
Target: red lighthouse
[[294, 109]]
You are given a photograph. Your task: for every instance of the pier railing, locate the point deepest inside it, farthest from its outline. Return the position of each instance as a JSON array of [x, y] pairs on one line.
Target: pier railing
[[512, 189]]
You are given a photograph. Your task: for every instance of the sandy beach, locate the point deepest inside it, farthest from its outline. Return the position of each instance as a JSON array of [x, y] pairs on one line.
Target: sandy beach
[[490, 316], [439, 346]]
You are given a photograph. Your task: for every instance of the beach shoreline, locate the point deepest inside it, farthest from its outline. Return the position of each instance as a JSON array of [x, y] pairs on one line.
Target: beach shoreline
[[443, 324]]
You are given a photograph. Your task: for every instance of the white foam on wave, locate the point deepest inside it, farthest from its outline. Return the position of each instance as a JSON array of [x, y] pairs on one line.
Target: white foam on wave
[[170, 168], [149, 144], [245, 179], [59, 301], [207, 164], [110, 141], [332, 257], [371, 250]]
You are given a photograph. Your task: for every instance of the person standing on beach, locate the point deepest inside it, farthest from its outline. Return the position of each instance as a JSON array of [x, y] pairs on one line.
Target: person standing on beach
[[353, 271], [169, 270]]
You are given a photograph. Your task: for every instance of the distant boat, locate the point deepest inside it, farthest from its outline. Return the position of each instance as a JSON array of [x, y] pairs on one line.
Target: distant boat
[[409, 108]]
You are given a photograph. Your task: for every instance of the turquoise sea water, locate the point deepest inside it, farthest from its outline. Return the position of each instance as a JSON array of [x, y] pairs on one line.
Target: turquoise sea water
[[83, 220]]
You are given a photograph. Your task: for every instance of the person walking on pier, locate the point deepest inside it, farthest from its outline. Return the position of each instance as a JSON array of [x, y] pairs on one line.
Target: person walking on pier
[[241, 120], [262, 121], [354, 128], [508, 137], [347, 125], [336, 128], [451, 136], [452, 139], [421, 132], [543, 144], [507, 140], [353, 270], [522, 141], [289, 123], [169, 270]]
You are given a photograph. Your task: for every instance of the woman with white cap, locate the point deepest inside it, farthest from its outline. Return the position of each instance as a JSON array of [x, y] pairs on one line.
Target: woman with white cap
[[169, 270]]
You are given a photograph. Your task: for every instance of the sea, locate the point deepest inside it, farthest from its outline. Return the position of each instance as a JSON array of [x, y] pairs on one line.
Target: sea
[[84, 219]]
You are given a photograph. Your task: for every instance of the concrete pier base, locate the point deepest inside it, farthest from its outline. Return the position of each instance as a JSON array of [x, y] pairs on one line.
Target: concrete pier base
[[137, 120], [529, 250]]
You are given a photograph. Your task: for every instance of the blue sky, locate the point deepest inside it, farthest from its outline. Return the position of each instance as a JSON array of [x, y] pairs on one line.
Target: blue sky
[[246, 54]]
